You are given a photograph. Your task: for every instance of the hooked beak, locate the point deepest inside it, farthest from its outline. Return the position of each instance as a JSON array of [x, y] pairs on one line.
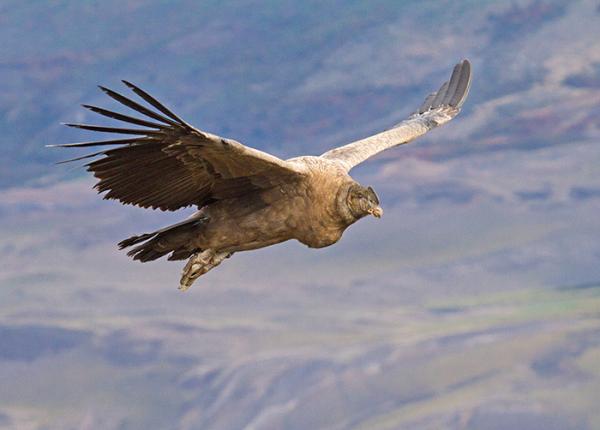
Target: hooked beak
[[376, 212]]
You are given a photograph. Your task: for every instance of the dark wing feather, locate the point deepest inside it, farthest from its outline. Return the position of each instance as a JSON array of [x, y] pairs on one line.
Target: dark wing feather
[[117, 130], [124, 118], [171, 164], [143, 94], [138, 107]]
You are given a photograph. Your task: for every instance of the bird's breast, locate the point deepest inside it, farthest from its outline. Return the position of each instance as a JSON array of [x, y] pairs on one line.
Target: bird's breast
[[314, 218], [320, 237]]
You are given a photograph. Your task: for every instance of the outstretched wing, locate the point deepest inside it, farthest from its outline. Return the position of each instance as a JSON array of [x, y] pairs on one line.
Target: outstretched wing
[[437, 109], [168, 164]]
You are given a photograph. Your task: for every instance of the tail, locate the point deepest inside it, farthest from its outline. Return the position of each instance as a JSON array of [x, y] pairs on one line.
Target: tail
[[174, 239]]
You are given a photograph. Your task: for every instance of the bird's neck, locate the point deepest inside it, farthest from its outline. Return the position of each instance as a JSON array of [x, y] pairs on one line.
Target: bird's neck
[[343, 209]]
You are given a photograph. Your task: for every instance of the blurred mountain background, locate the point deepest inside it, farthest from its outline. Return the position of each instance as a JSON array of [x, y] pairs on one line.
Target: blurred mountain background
[[474, 303]]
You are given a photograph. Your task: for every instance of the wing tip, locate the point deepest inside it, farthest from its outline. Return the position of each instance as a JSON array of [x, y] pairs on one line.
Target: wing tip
[[128, 84], [451, 93], [464, 84], [156, 104]]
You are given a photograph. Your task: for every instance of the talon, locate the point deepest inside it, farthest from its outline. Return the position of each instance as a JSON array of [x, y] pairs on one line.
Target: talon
[[183, 287], [198, 265]]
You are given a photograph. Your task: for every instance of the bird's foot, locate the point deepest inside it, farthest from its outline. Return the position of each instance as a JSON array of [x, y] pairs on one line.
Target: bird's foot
[[199, 264]]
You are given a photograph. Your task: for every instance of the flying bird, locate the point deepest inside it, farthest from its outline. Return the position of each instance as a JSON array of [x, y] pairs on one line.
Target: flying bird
[[246, 199]]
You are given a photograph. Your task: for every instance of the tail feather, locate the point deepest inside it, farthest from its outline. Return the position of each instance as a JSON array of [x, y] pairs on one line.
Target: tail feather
[[181, 254], [145, 252], [136, 239], [173, 239]]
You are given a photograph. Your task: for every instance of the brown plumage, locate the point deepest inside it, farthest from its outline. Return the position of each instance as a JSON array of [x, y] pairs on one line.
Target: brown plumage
[[247, 199]]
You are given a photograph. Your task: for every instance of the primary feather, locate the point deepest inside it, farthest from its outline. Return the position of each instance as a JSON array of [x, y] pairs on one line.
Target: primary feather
[[438, 108]]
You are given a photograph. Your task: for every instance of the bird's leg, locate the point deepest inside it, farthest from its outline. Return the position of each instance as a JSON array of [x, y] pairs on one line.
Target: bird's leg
[[199, 264]]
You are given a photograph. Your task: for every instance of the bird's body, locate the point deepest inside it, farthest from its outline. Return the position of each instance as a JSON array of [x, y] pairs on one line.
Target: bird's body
[[246, 199], [281, 213]]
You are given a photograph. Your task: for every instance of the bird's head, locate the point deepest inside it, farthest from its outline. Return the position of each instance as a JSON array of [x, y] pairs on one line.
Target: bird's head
[[363, 201]]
